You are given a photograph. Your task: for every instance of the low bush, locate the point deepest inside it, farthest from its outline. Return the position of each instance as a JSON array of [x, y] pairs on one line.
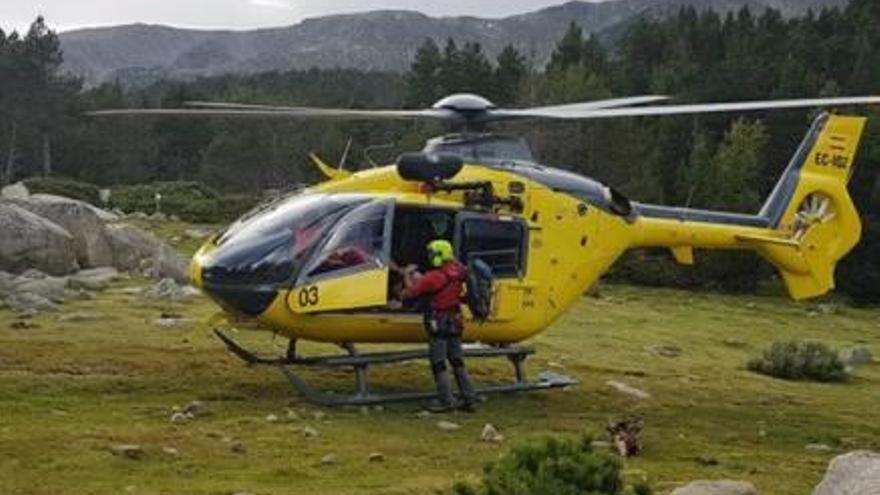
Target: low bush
[[190, 201], [68, 188], [800, 361], [551, 466]]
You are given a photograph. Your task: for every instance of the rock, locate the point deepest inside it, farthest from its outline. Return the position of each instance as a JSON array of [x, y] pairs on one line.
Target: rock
[[271, 418], [707, 460], [319, 415], [128, 451], [79, 317], [6, 283], [329, 460], [168, 263], [666, 350], [179, 418], [490, 434], [238, 448], [81, 220], [195, 408], [158, 216], [15, 191], [856, 356], [130, 246], [854, 473], [31, 241], [166, 289], [93, 279], [197, 234], [448, 426], [167, 322], [821, 447], [51, 288], [29, 303], [170, 451], [376, 457], [628, 390], [723, 487], [309, 432], [291, 415]]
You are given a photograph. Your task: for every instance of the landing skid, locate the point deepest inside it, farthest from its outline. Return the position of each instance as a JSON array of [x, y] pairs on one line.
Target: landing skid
[[362, 396]]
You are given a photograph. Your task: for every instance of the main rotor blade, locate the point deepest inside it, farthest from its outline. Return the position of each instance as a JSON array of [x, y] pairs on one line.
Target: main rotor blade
[[598, 104], [241, 111], [649, 111]]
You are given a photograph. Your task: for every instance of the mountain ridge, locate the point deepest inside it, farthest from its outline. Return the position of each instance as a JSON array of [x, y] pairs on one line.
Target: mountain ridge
[[383, 40]]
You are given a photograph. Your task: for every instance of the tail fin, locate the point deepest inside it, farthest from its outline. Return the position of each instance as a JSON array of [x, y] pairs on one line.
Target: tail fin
[[815, 221]]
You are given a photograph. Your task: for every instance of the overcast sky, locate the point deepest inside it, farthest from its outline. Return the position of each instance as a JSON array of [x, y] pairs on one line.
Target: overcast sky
[[235, 14]]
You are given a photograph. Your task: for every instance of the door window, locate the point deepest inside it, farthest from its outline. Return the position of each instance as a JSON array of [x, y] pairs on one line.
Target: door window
[[499, 243], [358, 242]]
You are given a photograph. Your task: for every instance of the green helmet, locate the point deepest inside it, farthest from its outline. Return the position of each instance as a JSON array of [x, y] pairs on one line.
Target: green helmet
[[440, 251]]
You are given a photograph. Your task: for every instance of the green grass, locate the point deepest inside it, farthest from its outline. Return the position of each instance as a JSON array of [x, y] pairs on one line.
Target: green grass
[[68, 391]]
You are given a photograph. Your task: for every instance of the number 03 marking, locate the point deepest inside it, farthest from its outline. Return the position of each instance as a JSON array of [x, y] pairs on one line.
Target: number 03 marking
[[308, 296]]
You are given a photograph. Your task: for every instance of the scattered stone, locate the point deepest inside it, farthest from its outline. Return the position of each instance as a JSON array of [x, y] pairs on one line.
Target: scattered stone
[[170, 451], [309, 432], [707, 460], [179, 418], [423, 414], [291, 415], [376, 457], [751, 305], [79, 317], [197, 234], [827, 308], [271, 418], [856, 356], [51, 288], [854, 473], [94, 279], [628, 390], [164, 322], [28, 303], [666, 350], [238, 448], [723, 487], [134, 452], [490, 434], [821, 447], [195, 408], [168, 263], [319, 415], [448, 426], [329, 460], [167, 288], [23, 325]]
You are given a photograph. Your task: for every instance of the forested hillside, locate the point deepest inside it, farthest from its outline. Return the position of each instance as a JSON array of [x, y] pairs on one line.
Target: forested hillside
[[721, 162]]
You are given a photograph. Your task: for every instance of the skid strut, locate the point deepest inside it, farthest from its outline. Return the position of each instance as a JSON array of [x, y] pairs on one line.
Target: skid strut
[[360, 363]]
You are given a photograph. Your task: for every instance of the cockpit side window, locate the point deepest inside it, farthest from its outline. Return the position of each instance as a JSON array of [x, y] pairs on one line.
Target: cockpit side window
[[357, 242]]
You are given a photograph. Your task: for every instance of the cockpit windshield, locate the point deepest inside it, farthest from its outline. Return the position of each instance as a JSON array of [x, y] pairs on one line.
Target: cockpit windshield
[[270, 246], [482, 148]]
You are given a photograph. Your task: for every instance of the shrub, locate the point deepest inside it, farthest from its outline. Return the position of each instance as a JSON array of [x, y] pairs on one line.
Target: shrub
[[68, 188], [800, 361], [191, 201], [551, 466]]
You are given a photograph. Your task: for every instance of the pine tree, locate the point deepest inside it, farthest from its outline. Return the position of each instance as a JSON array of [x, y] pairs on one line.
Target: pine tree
[[423, 78], [509, 74]]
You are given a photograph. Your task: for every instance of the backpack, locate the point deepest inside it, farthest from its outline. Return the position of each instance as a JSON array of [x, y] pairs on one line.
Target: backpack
[[479, 289]]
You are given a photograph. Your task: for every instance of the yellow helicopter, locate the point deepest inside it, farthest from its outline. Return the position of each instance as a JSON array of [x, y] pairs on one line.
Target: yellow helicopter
[[322, 264]]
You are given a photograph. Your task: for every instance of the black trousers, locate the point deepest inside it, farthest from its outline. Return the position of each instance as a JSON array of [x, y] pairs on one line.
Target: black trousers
[[444, 345]]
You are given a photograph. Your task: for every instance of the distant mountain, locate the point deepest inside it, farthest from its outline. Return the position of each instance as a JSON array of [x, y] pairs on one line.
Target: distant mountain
[[380, 40]]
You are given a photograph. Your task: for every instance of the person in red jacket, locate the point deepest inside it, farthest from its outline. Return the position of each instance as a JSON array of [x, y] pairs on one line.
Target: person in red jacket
[[444, 286]]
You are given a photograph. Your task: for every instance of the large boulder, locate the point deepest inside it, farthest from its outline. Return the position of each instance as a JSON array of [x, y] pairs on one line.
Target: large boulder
[[855, 473], [31, 241], [722, 487], [93, 279], [15, 191], [130, 246], [80, 220], [168, 263], [51, 288]]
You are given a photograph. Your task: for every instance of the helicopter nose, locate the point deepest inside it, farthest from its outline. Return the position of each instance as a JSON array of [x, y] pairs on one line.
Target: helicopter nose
[[238, 282]]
